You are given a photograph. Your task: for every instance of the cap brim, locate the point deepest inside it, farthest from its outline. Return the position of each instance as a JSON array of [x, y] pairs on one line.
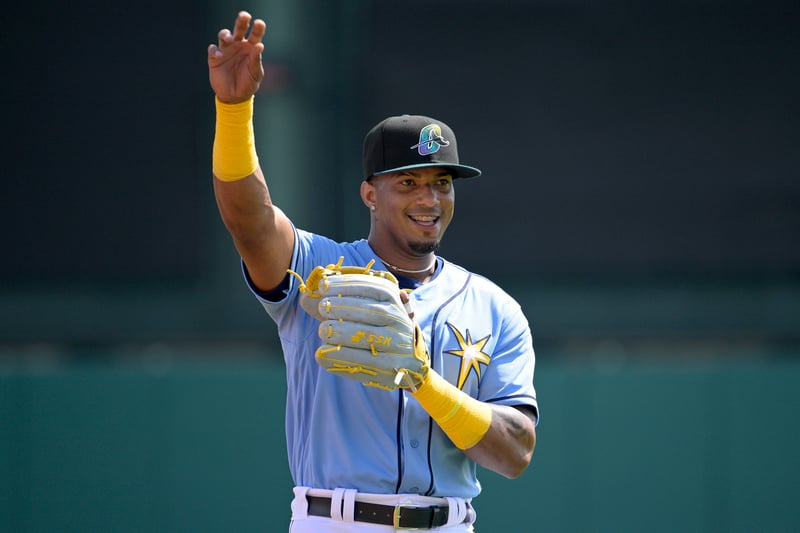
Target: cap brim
[[459, 171]]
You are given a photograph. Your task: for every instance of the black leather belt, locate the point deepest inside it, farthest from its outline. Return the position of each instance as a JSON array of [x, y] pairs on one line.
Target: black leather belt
[[400, 516]]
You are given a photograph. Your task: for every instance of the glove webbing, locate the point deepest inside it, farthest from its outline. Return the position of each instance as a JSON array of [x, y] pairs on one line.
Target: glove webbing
[[318, 275]]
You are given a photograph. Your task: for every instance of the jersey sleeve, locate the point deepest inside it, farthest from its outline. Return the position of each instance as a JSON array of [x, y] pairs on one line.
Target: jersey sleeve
[[310, 251], [305, 253], [508, 379]]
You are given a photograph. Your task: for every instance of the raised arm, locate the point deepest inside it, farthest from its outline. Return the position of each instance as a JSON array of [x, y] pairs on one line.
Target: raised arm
[[262, 234]]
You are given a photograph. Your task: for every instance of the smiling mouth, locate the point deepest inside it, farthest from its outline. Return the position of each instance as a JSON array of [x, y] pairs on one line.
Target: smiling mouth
[[425, 220]]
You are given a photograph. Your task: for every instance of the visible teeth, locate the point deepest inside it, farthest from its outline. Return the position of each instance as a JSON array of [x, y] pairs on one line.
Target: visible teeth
[[425, 218]]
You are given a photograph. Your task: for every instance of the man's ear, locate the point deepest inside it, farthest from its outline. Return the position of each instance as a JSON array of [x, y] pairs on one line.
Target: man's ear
[[368, 194]]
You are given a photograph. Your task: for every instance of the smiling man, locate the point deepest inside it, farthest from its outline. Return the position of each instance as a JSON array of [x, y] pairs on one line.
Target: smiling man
[[409, 166], [364, 458]]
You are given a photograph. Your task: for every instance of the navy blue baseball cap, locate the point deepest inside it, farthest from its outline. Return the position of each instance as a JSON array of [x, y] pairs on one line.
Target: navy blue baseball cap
[[406, 142]]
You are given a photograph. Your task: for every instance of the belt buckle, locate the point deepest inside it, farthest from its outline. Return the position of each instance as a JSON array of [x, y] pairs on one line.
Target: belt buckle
[[396, 516]]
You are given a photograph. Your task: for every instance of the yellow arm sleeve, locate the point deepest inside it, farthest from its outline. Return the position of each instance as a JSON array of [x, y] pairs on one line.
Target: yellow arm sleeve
[[234, 153], [463, 418]]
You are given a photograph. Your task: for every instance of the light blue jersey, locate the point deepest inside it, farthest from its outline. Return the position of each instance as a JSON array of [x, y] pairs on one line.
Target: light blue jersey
[[341, 434]]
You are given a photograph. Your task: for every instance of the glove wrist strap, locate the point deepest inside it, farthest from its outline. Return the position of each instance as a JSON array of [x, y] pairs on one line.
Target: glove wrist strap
[[463, 418], [234, 152]]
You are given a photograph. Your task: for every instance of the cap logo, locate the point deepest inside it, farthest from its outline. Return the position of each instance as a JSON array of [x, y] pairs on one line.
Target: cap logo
[[430, 140]]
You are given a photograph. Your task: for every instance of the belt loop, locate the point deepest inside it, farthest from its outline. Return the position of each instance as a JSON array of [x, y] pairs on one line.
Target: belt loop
[[349, 508], [458, 511], [471, 515], [300, 503], [336, 505]]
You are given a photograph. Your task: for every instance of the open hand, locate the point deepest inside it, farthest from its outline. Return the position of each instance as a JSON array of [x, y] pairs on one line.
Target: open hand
[[234, 64]]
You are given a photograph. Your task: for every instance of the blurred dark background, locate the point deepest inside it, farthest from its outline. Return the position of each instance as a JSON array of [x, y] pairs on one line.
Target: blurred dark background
[[625, 147], [640, 198]]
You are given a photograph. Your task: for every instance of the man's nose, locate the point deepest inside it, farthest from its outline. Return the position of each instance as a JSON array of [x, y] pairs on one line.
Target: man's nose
[[428, 195]]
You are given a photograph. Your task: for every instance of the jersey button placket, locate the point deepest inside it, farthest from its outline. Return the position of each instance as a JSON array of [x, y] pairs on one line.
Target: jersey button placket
[[415, 471]]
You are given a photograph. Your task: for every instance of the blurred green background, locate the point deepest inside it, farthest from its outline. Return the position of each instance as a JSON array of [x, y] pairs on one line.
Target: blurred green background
[[640, 198], [166, 445]]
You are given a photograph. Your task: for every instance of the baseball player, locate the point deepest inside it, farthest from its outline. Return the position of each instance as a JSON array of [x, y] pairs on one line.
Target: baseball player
[[370, 450]]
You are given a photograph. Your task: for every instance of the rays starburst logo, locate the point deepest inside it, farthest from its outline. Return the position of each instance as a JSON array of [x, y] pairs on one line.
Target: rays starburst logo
[[471, 354]]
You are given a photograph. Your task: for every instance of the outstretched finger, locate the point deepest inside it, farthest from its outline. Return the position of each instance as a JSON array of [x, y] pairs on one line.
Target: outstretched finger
[[241, 26], [258, 31]]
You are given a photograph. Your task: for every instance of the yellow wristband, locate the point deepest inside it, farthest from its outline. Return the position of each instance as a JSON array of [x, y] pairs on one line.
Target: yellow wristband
[[234, 154], [463, 418]]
